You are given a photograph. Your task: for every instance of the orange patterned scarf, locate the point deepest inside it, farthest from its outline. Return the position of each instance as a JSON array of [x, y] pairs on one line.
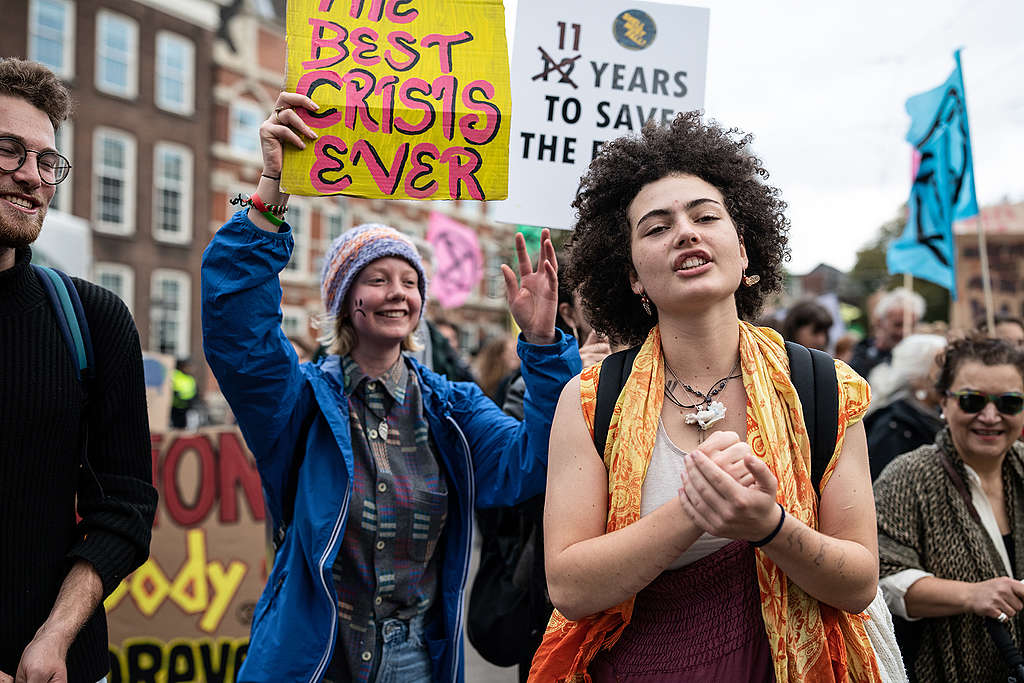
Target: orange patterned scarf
[[810, 641]]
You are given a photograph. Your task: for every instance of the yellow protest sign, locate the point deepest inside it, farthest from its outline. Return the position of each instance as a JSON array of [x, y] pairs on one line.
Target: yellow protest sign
[[413, 98]]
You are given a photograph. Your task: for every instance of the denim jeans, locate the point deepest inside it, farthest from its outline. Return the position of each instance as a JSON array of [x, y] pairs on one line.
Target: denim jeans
[[404, 657]]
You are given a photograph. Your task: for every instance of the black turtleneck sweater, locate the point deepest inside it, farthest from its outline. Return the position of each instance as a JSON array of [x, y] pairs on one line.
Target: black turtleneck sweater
[[41, 405]]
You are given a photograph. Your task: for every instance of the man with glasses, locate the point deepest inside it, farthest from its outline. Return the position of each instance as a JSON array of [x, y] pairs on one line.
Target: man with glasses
[[55, 569]]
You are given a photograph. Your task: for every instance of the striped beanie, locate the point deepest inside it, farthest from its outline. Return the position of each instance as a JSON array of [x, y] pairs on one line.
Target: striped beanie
[[357, 248]]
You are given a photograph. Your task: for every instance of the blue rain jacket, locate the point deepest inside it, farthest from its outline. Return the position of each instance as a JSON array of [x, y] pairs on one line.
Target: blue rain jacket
[[490, 459]]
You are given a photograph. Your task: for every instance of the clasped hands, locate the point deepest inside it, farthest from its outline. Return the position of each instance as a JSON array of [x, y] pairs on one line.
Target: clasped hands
[[728, 491]]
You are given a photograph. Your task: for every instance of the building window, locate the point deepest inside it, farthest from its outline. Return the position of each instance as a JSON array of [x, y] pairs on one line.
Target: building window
[[246, 118], [114, 181], [175, 69], [117, 55], [294, 321], [118, 278], [298, 219], [169, 312], [334, 219], [51, 35], [172, 193], [334, 222], [495, 281], [64, 138]]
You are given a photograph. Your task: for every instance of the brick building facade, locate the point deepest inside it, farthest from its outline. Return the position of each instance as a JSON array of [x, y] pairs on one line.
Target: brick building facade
[[138, 144]]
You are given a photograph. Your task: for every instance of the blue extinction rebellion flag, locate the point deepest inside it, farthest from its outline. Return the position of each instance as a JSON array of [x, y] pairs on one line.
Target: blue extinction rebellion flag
[[943, 188]]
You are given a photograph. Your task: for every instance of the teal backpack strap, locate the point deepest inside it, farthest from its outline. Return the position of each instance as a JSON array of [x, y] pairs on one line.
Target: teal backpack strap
[[70, 318], [74, 327]]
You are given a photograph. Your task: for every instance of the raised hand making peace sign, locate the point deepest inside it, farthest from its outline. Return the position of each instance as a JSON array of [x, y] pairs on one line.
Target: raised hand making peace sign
[[534, 300]]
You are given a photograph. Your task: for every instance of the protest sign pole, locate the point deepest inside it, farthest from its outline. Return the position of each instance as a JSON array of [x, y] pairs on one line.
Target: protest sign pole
[[986, 279]]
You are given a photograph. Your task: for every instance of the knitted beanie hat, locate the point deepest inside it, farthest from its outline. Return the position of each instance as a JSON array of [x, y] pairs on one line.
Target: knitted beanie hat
[[357, 248]]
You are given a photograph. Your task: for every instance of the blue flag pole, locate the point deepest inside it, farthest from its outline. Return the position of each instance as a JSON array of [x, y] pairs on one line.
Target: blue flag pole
[[942, 191], [986, 278]]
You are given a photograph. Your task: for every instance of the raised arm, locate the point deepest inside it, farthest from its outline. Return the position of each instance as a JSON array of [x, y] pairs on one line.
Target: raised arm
[[509, 456], [254, 363]]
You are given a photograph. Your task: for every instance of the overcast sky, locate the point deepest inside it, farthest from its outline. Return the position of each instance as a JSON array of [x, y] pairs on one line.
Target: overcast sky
[[822, 86]]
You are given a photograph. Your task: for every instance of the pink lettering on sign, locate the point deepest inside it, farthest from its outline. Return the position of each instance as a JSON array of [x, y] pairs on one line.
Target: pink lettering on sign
[[459, 260]]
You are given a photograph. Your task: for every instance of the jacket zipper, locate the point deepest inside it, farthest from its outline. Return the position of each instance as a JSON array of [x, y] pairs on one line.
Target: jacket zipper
[[322, 667], [468, 526]]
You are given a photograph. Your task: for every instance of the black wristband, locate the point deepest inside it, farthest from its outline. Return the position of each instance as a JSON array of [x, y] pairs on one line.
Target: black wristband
[[270, 177], [768, 539]]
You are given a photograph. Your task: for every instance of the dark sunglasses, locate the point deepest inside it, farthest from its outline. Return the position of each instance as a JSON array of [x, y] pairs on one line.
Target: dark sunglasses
[[969, 401]]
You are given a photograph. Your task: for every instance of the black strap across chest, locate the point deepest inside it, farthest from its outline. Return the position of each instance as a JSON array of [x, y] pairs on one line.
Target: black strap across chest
[[813, 374]]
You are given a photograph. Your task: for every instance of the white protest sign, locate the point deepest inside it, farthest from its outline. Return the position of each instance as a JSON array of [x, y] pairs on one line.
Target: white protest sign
[[586, 72]]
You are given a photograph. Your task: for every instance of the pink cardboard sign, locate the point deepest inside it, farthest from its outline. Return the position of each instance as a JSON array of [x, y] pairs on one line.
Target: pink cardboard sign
[[460, 263]]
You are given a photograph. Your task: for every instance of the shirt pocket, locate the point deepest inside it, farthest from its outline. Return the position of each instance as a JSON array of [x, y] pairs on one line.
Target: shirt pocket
[[426, 522]]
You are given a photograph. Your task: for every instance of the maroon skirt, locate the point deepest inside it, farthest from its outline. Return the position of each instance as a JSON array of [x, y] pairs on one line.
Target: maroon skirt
[[699, 623]]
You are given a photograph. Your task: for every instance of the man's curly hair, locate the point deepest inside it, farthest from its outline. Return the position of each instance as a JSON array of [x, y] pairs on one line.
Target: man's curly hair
[[600, 260], [38, 86]]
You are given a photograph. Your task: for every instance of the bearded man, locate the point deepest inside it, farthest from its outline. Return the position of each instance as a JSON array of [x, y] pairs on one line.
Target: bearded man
[[55, 569]]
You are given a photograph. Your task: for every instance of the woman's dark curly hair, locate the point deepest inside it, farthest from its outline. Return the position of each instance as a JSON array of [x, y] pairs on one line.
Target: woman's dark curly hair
[[600, 260], [977, 347]]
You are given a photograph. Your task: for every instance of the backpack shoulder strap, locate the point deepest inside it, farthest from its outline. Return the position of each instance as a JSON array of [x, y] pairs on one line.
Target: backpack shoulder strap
[[74, 327], [814, 375], [615, 371], [67, 305]]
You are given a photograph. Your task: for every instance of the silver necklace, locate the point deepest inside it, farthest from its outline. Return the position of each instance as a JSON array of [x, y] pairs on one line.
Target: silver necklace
[[708, 410]]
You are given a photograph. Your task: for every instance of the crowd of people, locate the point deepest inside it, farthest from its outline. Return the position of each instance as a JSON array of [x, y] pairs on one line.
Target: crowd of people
[[642, 436]]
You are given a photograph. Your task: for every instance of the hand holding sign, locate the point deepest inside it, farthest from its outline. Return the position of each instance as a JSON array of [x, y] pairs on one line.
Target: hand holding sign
[[534, 300], [280, 127], [414, 98]]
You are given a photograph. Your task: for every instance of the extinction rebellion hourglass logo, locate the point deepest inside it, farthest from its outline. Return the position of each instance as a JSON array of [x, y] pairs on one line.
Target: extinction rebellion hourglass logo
[[634, 29]]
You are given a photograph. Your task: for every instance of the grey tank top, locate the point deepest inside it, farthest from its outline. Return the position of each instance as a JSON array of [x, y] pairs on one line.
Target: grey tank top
[[661, 484]]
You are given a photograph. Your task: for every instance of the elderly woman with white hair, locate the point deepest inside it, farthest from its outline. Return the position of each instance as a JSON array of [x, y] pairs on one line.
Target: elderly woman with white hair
[[371, 463], [908, 412]]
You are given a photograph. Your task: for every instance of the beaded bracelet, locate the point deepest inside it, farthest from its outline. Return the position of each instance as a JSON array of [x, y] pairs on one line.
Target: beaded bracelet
[[768, 539], [278, 210], [255, 202]]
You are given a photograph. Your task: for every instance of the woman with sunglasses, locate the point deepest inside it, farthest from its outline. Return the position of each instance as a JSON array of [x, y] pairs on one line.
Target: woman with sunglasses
[[951, 519]]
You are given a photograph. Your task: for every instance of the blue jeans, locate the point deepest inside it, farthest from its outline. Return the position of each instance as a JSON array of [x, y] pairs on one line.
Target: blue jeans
[[404, 657]]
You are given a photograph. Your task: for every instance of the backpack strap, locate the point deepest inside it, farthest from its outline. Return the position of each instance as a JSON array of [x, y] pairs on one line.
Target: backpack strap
[[74, 327], [814, 375], [615, 371], [67, 306]]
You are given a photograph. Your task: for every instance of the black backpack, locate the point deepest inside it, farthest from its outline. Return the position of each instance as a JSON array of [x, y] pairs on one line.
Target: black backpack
[[508, 603]]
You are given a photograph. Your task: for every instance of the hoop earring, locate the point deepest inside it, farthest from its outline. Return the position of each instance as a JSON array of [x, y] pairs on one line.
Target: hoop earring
[[751, 280], [646, 303]]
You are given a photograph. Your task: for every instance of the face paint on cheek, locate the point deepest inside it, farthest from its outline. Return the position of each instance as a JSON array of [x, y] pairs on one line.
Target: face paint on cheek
[[359, 308]]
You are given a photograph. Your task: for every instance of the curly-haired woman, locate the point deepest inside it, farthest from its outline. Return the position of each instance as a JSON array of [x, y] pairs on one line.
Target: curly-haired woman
[[741, 574]]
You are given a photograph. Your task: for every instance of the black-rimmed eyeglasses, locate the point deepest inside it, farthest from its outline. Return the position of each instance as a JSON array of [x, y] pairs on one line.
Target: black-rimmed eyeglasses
[[53, 168], [1010, 403]]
